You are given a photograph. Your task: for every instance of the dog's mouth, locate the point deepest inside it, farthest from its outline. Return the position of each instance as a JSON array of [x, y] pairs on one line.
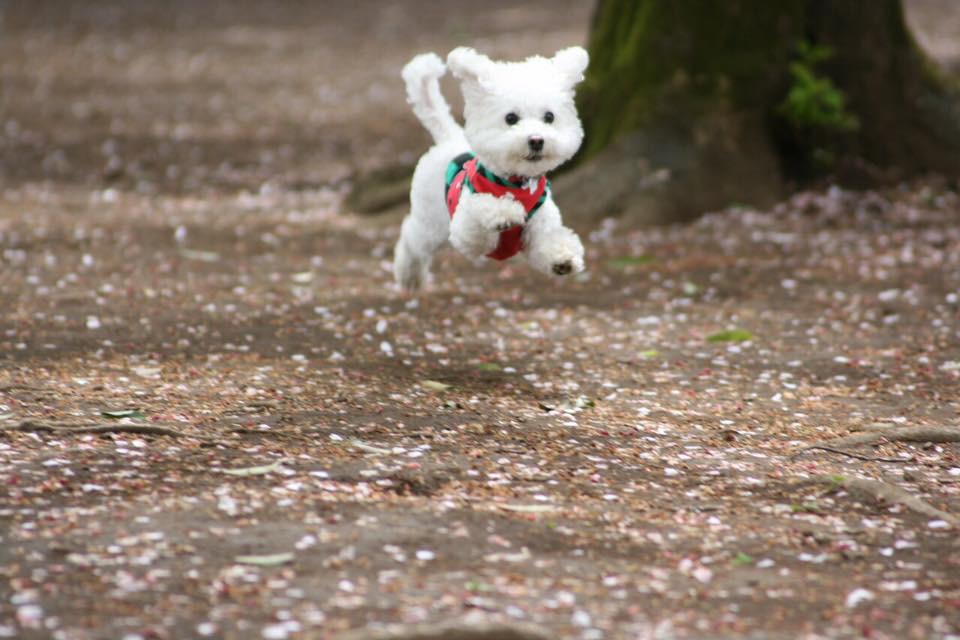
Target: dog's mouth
[[533, 157]]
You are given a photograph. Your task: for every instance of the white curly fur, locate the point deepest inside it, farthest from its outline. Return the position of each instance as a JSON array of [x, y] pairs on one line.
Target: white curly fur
[[491, 90]]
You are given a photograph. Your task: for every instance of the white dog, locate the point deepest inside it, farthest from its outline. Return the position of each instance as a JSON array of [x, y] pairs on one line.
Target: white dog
[[483, 185]]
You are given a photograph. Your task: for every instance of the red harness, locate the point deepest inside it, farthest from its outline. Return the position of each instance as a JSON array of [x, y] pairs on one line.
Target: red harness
[[479, 180]]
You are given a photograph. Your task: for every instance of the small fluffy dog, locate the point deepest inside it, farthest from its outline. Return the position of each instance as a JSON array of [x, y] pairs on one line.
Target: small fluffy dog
[[483, 186]]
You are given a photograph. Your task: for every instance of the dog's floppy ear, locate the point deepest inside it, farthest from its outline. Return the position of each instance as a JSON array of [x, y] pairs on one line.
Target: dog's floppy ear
[[571, 63], [469, 66]]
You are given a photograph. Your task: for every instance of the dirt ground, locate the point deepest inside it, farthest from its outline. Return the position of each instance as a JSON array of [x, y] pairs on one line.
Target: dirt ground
[[219, 418]]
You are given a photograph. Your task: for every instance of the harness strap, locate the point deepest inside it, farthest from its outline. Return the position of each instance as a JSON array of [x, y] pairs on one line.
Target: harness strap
[[465, 171], [455, 167]]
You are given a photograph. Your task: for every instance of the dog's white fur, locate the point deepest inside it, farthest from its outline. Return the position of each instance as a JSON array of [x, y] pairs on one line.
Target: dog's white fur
[[491, 90]]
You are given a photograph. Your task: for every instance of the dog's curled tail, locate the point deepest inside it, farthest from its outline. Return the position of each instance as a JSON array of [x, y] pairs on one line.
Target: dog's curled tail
[[422, 75]]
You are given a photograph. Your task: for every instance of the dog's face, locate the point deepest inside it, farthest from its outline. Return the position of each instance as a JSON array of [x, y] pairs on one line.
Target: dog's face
[[520, 118]]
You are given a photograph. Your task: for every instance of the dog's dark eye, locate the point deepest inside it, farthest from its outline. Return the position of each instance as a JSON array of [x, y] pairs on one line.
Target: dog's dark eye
[[548, 117], [512, 118]]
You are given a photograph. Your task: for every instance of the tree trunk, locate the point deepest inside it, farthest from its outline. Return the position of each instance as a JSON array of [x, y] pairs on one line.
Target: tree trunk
[[684, 103]]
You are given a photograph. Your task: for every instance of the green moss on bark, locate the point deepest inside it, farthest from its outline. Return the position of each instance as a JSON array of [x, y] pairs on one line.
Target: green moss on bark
[[695, 67], [654, 61]]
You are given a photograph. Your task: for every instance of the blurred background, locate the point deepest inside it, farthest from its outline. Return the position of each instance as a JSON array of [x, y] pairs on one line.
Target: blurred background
[[196, 96], [182, 272], [184, 95]]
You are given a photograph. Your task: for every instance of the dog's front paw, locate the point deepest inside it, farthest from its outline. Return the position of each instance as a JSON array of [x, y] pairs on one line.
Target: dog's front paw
[[557, 252], [507, 213], [566, 266], [562, 268]]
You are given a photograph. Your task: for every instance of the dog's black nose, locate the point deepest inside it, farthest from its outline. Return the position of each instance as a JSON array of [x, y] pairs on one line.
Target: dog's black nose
[[535, 143]]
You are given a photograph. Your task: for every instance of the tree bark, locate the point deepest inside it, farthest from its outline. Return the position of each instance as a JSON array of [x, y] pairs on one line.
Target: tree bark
[[681, 104]]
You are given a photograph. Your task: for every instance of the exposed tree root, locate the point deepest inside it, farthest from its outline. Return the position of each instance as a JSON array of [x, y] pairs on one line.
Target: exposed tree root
[[144, 429], [882, 491], [894, 434]]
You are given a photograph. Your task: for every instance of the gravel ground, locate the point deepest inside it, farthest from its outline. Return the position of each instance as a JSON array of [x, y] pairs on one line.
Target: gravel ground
[[219, 418]]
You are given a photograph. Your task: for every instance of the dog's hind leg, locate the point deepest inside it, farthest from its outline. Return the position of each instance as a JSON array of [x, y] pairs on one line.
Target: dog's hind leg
[[427, 227], [414, 253]]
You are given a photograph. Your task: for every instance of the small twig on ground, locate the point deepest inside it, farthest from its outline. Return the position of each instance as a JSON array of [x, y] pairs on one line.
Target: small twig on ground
[[145, 429], [851, 454], [885, 492], [450, 632], [273, 434], [263, 404], [22, 387], [368, 448]]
